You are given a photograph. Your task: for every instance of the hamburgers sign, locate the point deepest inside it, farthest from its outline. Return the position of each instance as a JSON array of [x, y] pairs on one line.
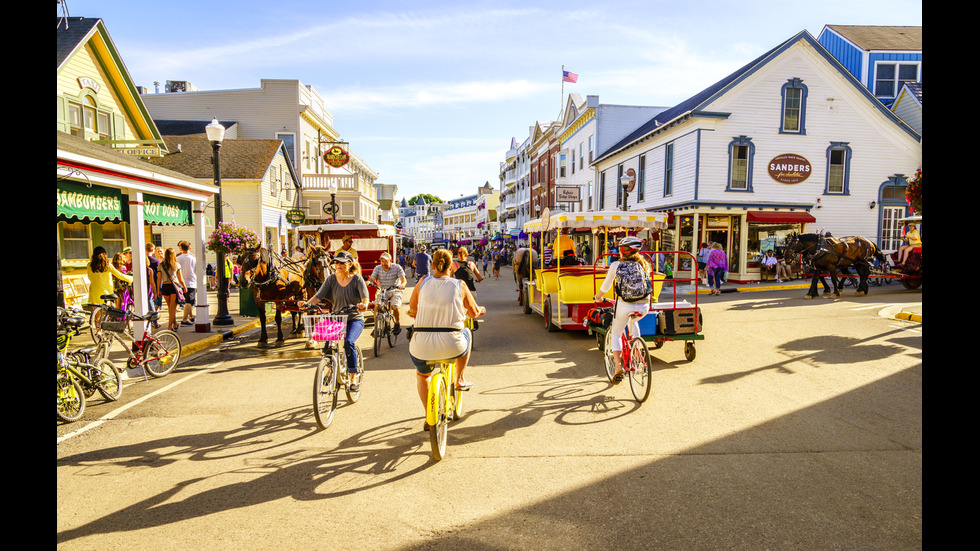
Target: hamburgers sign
[[789, 168]]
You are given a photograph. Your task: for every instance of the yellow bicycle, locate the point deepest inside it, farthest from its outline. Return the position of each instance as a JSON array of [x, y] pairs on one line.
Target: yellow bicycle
[[443, 404]]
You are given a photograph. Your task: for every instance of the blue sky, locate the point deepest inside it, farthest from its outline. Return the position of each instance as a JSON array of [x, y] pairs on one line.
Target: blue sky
[[430, 93]]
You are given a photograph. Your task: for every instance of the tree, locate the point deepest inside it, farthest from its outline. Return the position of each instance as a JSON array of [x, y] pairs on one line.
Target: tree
[[429, 199]]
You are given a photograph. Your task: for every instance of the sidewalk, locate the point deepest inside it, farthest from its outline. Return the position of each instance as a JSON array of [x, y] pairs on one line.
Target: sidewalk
[[191, 340], [911, 313]]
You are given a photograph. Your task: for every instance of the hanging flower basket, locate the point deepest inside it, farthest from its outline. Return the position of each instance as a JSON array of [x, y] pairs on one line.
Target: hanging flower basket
[[230, 238], [913, 193]]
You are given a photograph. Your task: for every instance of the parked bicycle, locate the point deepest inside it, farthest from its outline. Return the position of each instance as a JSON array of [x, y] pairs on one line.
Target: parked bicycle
[[444, 403], [384, 318], [157, 352], [331, 372], [79, 377], [635, 356], [98, 310]]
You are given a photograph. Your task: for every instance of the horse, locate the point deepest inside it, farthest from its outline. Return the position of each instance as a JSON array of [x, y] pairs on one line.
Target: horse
[[272, 284], [830, 254], [523, 262]]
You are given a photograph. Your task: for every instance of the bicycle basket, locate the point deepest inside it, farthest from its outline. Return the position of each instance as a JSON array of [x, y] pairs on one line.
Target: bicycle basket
[[114, 320], [326, 327]]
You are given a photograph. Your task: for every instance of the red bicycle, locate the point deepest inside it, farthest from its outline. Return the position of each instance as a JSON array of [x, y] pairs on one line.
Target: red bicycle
[[636, 358]]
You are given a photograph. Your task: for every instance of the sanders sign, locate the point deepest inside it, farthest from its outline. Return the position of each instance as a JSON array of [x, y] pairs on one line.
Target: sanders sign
[[789, 168]]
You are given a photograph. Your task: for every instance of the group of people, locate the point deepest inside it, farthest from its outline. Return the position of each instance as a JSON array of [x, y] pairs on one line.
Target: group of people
[[440, 302], [170, 277], [777, 266], [712, 266]]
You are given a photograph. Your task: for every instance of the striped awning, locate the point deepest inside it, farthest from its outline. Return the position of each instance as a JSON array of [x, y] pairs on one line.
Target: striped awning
[[609, 219]]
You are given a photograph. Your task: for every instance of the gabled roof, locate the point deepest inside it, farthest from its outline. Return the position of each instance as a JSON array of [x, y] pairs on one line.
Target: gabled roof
[[73, 34], [914, 90], [241, 159], [693, 106], [874, 37]]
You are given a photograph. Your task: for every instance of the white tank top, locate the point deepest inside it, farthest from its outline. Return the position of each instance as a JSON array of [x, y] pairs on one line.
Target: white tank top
[[440, 305]]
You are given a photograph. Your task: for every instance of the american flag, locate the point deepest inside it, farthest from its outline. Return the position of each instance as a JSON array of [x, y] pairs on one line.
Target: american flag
[[568, 76]]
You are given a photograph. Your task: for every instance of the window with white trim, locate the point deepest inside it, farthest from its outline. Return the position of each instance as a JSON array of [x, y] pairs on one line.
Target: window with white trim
[[891, 76], [793, 112]]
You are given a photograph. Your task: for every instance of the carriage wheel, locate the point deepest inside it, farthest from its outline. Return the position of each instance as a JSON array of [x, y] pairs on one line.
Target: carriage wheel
[[689, 351], [912, 282]]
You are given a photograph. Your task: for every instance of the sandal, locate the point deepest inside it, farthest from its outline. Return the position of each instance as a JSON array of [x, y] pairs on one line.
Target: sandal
[[466, 385], [618, 377]]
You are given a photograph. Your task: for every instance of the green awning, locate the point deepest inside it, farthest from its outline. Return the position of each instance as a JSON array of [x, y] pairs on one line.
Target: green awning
[[165, 211], [79, 202]]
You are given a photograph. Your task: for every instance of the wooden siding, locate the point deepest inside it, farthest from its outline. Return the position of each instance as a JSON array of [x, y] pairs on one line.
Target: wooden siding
[[84, 65], [880, 147]]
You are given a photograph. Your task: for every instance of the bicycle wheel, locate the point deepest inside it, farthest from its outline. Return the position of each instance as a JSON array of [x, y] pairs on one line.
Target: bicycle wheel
[[325, 390], [351, 395], [438, 400], [160, 356], [107, 379], [95, 322], [457, 403], [640, 380], [392, 337], [378, 333], [71, 400], [78, 359], [607, 356]]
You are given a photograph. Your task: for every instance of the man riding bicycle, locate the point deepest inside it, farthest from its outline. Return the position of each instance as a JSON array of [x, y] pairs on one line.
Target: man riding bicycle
[[387, 275]]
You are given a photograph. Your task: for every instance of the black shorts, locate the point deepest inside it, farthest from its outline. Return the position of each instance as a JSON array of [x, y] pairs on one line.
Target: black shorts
[[701, 265]]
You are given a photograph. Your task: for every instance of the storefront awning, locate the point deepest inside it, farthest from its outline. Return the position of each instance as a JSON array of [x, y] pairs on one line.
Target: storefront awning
[[780, 217]]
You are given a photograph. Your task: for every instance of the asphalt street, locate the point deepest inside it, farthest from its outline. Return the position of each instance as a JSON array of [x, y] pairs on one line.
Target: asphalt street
[[798, 426]]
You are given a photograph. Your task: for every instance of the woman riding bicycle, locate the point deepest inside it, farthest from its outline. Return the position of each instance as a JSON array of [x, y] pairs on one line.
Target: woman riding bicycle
[[439, 305], [629, 252], [345, 287]]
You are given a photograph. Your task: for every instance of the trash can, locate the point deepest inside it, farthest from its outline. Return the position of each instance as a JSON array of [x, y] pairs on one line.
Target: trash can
[[246, 303]]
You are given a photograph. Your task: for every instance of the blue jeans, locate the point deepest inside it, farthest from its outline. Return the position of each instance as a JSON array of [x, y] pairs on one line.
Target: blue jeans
[[354, 328], [716, 274]]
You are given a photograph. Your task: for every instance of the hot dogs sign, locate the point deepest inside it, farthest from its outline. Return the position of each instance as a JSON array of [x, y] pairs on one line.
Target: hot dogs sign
[[789, 168]]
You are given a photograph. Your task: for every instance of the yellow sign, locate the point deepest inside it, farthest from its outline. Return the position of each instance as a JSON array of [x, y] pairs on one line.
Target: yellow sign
[[336, 157]]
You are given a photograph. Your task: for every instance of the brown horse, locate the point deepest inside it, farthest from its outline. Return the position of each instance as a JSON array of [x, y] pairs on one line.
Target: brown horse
[[831, 254], [269, 283], [523, 262]]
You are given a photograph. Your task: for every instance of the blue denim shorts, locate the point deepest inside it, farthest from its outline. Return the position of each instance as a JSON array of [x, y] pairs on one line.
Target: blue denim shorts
[[425, 369]]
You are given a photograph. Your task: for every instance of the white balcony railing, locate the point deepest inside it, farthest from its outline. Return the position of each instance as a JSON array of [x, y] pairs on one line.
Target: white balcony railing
[[340, 183]]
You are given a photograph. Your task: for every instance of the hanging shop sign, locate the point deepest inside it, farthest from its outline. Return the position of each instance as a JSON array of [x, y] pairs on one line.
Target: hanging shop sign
[[336, 157], [568, 194], [789, 168], [295, 216]]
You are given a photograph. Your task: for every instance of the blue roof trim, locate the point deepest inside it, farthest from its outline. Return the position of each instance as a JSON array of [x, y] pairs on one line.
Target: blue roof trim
[[690, 107]]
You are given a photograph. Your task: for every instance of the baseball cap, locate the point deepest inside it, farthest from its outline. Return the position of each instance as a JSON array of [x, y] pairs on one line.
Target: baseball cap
[[385, 255], [342, 256]]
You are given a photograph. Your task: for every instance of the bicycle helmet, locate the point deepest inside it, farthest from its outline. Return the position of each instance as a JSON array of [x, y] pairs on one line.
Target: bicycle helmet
[[631, 242]]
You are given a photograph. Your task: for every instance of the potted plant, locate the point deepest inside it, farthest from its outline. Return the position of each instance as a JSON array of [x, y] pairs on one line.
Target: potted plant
[[913, 193], [231, 238]]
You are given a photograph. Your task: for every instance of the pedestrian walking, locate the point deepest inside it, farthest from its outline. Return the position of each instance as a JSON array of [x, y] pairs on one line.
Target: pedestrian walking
[[716, 266], [188, 266]]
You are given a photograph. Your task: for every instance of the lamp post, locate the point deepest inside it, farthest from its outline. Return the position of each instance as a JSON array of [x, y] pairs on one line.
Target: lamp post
[[216, 133], [624, 181]]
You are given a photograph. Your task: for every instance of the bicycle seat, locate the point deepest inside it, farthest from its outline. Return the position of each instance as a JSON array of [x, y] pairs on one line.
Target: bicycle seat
[[151, 316]]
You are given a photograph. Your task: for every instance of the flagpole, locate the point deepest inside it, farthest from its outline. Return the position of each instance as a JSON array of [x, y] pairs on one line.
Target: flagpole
[[562, 106]]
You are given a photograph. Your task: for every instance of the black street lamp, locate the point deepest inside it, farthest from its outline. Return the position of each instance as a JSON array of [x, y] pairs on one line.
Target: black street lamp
[[624, 181], [216, 133]]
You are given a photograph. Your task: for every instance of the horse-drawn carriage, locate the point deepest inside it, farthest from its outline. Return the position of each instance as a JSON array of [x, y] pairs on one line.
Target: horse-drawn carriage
[[911, 269], [829, 256], [284, 281]]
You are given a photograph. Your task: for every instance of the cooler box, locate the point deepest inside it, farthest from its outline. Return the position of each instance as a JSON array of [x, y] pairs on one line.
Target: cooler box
[[648, 324]]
